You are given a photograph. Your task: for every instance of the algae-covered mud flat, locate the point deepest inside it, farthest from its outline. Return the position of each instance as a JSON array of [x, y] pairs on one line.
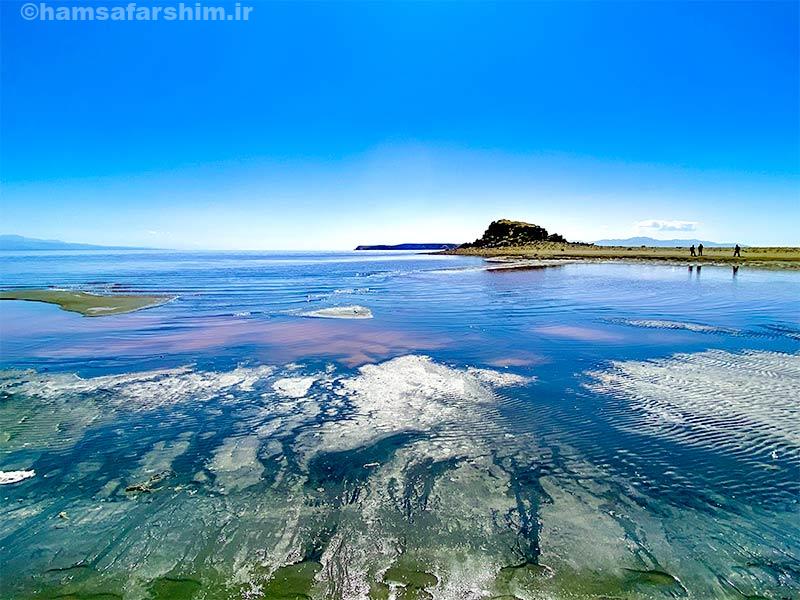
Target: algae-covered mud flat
[[89, 305], [587, 431]]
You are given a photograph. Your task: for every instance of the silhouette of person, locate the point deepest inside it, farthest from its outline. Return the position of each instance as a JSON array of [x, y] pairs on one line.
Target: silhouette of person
[[691, 250], [700, 250], [737, 251]]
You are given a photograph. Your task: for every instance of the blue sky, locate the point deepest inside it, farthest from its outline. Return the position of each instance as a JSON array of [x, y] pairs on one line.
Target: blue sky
[[326, 125]]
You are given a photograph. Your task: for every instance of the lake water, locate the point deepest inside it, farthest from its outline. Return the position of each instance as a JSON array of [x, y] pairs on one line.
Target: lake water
[[581, 431]]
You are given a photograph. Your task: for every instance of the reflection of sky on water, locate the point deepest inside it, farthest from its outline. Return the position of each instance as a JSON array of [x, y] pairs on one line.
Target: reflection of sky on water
[[276, 339]]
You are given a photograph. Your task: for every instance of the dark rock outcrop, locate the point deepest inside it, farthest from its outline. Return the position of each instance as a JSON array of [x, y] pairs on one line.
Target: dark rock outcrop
[[513, 233]]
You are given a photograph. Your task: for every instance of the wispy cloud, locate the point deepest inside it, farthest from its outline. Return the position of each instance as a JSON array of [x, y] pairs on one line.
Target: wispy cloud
[[661, 225]]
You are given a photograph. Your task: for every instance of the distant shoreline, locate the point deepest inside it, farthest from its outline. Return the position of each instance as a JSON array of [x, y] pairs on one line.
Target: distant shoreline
[[432, 246], [761, 257]]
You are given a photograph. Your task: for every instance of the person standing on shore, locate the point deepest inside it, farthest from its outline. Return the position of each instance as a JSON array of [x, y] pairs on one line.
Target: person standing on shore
[[700, 250], [691, 250], [737, 251]]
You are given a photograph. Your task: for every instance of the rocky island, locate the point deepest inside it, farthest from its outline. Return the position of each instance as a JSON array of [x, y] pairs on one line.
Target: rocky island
[[505, 233]]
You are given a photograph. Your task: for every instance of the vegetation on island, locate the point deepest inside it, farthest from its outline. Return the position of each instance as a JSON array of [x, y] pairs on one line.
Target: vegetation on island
[[89, 305], [504, 233]]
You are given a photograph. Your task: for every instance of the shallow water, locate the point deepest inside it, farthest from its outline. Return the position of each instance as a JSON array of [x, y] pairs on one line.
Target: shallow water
[[588, 430]]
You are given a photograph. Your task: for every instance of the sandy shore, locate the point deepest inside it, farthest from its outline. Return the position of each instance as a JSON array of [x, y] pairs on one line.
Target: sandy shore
[[547, 252]]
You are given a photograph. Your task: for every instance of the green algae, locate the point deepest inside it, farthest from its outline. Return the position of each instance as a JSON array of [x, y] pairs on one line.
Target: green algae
[[71, 568], [78, 592], [525, 574], [173, 588], [412, 593], [405, 580], [521, 580], [85, 582], [729, 585], [379, 591], [292, 582], [78, 581], [88, 596], [653, 577], [410, 577], [411, 581]]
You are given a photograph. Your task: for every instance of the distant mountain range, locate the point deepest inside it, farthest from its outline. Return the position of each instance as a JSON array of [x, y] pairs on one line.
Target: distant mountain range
[[17, 242], [410, 247], [648, 241]]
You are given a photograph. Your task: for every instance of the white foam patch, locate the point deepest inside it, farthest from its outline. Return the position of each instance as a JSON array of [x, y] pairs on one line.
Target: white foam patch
[[293, 387], [411, 394], [499, 379], [341, 312], [743, 402], [7, 477], [149, 389]]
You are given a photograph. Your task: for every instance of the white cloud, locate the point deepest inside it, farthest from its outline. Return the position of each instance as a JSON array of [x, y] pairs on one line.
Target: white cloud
[[661, 225]]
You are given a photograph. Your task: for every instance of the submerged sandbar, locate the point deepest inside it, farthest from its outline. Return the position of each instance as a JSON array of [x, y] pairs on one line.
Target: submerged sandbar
[[89, 305]]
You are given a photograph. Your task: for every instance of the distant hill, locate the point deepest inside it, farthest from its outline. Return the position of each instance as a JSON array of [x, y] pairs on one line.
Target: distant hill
[[409, 247], [652, 242], [17, 242], [503, 233]]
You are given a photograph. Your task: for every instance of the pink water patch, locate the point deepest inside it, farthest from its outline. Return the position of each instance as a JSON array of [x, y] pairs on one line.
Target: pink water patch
[[520, 360], [350, 343]]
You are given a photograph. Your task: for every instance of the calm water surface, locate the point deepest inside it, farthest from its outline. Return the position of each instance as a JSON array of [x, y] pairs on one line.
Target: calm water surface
[[582, 431]]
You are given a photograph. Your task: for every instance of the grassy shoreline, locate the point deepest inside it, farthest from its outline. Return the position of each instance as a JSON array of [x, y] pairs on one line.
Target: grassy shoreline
[[761, 257], [86, 304]]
